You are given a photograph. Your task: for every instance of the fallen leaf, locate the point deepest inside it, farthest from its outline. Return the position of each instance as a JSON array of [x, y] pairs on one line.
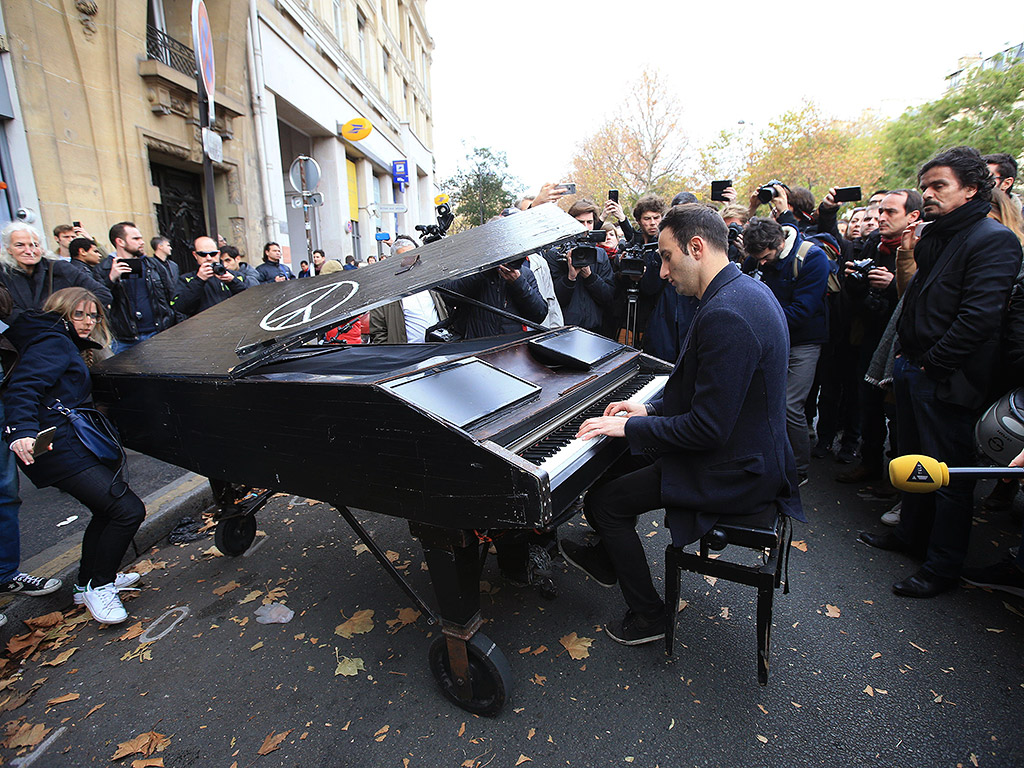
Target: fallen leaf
[[360, 548], [712, 580], [762, 739], [26, 735], [221, 591], [145, 566], [831, 611], [392, 556], [652, 533], [997, 631], [45, 621], [531, 733], [98, 706], [349, 667], [538, 679], [257, 646], [382, 733], [251, 596], [527, 649], [212, 552], [869, 691], [144, 744], [148, 762], [60, 658], [272, 742], [539, 650], [876, 655], [761, 707], [462, 730], [974, 760], [523, 759], [132, 632], [64, 699], [724, 613], [406, 616], [922, 650], [798, 706], [360, 623], [682, 606], [801, 545], [578, 647]]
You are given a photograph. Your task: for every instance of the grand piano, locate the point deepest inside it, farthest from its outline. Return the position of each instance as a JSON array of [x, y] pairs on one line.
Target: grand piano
[[458, 438]]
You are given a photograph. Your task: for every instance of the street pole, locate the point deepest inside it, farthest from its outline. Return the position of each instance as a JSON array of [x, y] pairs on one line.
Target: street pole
[[211, 202], [305, 209]]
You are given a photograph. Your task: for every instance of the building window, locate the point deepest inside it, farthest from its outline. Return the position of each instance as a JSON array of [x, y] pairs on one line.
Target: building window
[[339, 21], [361, 27], [386, 62]]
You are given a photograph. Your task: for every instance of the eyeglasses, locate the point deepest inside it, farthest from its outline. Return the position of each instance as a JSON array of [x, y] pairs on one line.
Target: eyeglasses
[[208, 253], [80, 315]]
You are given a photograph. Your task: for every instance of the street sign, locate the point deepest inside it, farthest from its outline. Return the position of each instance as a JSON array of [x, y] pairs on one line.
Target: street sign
[[356, 129], [315, 199], [312, 173], [393, 208], [213, 145], [202, 43], [400, 171]]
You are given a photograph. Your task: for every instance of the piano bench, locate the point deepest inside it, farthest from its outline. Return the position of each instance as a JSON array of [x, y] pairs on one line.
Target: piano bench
[[768, 532]]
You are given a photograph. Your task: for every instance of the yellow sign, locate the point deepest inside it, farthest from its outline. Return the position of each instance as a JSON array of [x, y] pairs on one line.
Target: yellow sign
[[356, 129], [441, 199]]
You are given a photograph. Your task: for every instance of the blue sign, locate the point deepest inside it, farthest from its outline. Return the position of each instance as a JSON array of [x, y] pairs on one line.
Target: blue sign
[[400, 171]]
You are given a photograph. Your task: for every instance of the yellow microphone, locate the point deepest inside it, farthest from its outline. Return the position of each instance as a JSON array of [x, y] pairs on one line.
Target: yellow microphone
[[914, 473]]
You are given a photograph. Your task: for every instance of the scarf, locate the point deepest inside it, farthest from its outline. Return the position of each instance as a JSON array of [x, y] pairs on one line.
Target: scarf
[[943, 229], [887, 245]]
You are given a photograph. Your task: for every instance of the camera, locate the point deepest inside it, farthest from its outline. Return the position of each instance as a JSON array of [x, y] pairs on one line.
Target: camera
[[735, 230], [26, 214], [766, 192], [434, 232], [861, 268], [218, 268], [584, 250], [633, 262]]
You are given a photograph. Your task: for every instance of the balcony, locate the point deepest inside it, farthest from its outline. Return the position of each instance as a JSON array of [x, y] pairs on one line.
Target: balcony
[[162, 47]]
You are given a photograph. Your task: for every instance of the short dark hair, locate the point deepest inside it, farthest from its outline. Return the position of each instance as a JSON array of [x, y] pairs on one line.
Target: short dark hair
[[968, 166], [230, 251], [802, 199], [350, 259], [157, 240], [690, 219], [304, 262], [581, 207], [117, 231], [320, 251], [1007, 164], [78, 245], [60, 229], [882, 192], [683, 198], [646, 204], [912, 199], [760, 234], [266, 248]]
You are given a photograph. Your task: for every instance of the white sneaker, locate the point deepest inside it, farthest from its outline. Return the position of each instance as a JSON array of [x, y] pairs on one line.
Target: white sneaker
[[121, 581], [3, 619], [104, 604], [892, 517]]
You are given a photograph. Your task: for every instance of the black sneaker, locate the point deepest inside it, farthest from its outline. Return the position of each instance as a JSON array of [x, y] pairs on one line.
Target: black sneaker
[[25, 584], [1004, 576], [634, 629], [593, 561]]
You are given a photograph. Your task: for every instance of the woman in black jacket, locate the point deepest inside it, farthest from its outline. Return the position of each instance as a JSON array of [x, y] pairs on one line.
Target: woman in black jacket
[[51, 368]]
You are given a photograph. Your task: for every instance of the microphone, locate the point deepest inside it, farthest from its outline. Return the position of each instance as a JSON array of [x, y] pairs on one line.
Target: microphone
[[914, 473]]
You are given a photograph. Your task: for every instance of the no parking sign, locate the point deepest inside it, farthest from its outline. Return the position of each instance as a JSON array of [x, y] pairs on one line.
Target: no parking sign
[[202, 40]]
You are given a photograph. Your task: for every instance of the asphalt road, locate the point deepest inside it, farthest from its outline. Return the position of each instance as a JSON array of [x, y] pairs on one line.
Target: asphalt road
[[886, 682]]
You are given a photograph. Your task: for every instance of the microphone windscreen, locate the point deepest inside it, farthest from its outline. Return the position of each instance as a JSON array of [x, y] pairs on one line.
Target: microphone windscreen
[[918, 474]]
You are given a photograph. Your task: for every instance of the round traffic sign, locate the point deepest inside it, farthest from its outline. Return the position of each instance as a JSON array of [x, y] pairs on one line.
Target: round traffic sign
[[356, 129], [310, 167], [202, 39]]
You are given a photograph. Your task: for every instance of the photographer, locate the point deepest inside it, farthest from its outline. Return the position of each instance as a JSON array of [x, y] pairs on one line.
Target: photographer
[[788, 206], [211, 284], [511, 287], [735, 216], [583, 278]]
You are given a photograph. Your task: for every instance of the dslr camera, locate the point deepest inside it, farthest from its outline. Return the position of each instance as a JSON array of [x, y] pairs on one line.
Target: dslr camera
[[584, 250], [735, 230], [861, 267], [218, 268], [766, 192]]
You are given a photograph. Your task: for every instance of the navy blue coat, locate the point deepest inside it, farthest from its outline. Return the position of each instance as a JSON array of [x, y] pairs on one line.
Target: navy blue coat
[[802, 297], [719, 430], [50, 367]]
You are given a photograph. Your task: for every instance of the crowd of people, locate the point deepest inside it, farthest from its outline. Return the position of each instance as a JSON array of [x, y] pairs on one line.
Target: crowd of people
[[890, 314]]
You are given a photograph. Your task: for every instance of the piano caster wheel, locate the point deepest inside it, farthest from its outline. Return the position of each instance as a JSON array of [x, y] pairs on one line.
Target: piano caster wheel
[[489, 673], [234, 535]]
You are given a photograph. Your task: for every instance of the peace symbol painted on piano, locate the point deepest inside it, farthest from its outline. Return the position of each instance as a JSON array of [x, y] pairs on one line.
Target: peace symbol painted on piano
[[309, 306]]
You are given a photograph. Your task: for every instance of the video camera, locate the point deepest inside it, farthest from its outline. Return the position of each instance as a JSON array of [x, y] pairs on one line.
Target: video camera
[[433, 232], [584, 250], [766, 192], [633, 261]]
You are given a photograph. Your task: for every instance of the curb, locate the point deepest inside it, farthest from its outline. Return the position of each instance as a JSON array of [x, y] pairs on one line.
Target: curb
[[190, 494]]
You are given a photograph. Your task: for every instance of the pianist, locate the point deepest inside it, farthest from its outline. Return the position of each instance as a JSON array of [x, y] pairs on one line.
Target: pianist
[[714, 444]]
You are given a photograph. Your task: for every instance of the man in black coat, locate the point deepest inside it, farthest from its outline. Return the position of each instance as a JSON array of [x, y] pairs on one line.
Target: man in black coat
[[946, 357], [210, 284], [715, 443]]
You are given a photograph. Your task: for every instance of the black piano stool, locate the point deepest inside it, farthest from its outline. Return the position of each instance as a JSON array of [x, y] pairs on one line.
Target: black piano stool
[[771, 533]]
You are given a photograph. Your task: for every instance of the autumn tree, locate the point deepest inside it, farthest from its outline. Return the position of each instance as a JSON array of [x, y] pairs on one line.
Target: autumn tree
[[640, 149], [481, 188], [987, 113]]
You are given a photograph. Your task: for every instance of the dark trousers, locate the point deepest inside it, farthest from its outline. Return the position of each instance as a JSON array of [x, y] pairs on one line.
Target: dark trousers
[[612, 509], [938, 523], [873, 419], [115, 519], [837, 400]]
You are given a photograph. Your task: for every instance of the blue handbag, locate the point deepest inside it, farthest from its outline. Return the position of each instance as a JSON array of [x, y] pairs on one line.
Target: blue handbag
[[95, 431]]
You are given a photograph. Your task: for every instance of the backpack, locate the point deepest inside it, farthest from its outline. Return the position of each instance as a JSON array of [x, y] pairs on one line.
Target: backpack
[[828, 244]]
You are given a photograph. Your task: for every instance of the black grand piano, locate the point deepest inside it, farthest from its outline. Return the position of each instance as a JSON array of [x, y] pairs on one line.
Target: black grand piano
[[457, 438]]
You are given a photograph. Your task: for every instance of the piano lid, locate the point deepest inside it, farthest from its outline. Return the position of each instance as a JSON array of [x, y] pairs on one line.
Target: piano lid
[[260, 323]]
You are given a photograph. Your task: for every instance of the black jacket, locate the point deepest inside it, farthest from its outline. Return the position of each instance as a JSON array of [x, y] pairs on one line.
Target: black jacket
[[586, 300], [122, 317], [954, 306], [32, 291], [866, 312], [194, 295], [520, 297]]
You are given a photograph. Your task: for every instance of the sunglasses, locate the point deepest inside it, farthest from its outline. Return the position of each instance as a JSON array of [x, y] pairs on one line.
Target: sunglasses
[[208, 253], [80, 315]]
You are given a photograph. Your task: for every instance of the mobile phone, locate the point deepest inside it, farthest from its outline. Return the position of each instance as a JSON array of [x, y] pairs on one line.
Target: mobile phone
[[514, 265], [382, 237], [919, 229], [613, 194], [847, 194], [135, 266], [718, 188], [76, 224], [570, 188], [43, 441]]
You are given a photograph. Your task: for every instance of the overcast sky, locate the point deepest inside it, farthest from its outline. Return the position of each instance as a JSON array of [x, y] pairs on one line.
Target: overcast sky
[[535, 77]]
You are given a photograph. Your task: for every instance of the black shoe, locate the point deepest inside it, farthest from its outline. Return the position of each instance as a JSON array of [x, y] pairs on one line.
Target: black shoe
[[846, 454], [593, 561], [634, 629], [820, 450], [923, 584], [887, 540], [858, 474], [1004, 576]]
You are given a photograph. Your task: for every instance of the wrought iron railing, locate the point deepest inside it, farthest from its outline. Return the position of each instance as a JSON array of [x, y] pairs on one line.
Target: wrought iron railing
[[163, 47]]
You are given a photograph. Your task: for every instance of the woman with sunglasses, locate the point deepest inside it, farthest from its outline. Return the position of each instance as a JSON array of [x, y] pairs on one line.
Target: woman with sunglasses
[[51, 368]]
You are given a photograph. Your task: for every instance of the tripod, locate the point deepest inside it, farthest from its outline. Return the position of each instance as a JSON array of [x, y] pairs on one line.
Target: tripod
[[632, 299]]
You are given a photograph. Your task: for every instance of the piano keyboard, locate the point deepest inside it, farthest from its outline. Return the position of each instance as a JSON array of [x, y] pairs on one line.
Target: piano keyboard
[[560, 451]]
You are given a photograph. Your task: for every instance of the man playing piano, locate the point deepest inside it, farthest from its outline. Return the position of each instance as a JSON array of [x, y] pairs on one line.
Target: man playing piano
[[714, 444]]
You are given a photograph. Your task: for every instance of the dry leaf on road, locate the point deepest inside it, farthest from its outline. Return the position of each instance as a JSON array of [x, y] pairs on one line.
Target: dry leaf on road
[[25, 735], [45, 621], [132, 632], [360, 623], [523, 759], [406, 616], [272, 742], [349, 667], [221, 591], [538, 679], [382, 733], [144, 744], [578, 647], [60, 658], [63, 699], [251, 596], [801, 545], [831, 611], [148, 762]]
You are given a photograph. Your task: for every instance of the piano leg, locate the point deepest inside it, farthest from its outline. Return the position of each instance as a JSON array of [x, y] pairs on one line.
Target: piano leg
[[472, 671]]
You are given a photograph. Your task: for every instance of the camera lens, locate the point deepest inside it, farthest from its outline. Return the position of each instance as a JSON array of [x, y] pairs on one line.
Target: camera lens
[[765, 194]]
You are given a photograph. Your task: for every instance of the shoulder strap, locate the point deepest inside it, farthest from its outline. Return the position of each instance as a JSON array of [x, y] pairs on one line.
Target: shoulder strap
[[798, 262]]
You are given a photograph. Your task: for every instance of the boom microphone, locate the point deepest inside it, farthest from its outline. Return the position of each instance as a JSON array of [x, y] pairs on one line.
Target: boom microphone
[[923, 474]]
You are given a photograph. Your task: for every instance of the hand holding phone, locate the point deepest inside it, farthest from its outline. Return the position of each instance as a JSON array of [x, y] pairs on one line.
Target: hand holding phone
[[718, 190], [569, 188], [847, 194], [44, 441]]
